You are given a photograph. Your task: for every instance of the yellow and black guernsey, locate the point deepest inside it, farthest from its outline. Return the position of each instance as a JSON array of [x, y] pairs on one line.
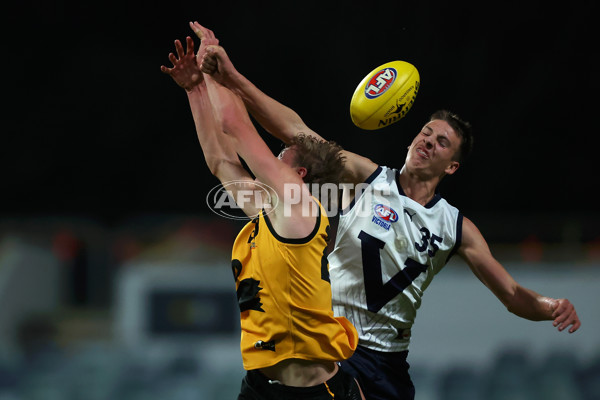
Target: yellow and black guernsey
[[284, 296]]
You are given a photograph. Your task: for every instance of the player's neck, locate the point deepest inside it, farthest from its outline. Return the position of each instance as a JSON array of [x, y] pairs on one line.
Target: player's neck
[[416, 188]]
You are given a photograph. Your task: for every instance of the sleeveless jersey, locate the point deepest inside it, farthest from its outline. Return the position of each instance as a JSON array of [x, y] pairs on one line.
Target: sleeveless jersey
[[284, 296], [388, 249]]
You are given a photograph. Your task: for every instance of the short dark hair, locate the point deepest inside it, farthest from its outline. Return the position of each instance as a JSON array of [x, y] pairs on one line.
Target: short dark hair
[[463, 130], [322, 159]]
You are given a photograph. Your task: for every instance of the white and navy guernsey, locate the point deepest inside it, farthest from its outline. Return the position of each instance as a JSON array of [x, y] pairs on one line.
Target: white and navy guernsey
[[388, 249]]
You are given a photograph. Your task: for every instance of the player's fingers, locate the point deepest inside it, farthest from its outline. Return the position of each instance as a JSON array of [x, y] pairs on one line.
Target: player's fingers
[[559, 310], [562, 306], [165, 69], [209, 34], [207, 70], [179, 48], [207, 66], [200, 26], [575, 326], [569, 318], [193, 27], [210, 42], [561, 317], [210, 55], [565, 316], [213, 51], [172, 58], [190, 45], [202, 32], [211, 58], [197, 28]]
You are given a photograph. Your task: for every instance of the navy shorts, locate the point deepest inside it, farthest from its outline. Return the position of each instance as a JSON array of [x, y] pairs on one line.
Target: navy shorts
[[256, 386], [381, 375]]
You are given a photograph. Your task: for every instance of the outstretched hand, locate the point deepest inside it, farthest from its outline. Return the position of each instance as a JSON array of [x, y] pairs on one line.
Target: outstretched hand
[[185, 71], [212, 58], [564, 315], [207, 38]]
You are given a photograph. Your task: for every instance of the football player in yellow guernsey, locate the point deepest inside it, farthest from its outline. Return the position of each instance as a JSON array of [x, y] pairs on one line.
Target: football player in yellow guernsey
[[291, 341]]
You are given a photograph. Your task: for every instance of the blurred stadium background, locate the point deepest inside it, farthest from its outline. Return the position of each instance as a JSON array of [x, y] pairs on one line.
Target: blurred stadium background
[[114, 276], [147, 310]]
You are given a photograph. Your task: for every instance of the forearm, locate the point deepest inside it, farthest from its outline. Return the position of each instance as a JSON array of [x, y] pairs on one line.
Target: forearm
[[519, 300], [238, 126], [231, 113], [216, 146], [530, 305]]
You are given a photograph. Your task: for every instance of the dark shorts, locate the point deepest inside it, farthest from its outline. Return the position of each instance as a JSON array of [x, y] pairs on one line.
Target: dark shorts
[[256, 386], [381, 375]]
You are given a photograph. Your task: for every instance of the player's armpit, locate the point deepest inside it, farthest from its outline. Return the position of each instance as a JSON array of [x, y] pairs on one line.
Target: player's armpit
[[357, 168]]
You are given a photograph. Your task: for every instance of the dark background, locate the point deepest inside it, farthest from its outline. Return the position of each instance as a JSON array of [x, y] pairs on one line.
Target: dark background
[[92, 127]]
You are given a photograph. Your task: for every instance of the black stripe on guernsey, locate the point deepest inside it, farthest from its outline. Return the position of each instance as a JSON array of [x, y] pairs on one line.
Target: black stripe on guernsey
[[289, 240], [432, 202], [368, 181], [458, 242], [372, 177]]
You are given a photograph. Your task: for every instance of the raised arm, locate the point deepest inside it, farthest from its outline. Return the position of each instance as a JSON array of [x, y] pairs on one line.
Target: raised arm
[[287, 219], [285, 180], [218, 149], [277, 119], [519, 300]]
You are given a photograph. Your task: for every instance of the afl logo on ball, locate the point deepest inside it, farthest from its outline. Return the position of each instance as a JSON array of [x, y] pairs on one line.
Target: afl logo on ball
[[380, 82]]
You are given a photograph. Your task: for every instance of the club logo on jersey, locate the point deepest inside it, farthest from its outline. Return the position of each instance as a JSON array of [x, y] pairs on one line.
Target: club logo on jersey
[[380, 82], [384, 216], [247, 295]]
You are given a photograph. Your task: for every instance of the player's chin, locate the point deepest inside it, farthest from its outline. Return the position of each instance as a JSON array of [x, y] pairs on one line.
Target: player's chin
[[416, 162]]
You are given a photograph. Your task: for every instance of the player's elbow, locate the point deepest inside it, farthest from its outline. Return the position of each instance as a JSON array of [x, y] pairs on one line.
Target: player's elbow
[[511, 307], [526, 313], [510, 300], [220, 167], [215, 164], [515, 308]]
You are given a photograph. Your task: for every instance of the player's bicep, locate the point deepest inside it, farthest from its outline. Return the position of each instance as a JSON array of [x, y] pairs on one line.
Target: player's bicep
[[231, 171], [476, 253], [356, 167], [299, 128]]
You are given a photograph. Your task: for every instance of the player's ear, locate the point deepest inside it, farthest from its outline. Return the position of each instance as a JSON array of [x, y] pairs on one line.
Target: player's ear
[[450, 169], [302, 171]]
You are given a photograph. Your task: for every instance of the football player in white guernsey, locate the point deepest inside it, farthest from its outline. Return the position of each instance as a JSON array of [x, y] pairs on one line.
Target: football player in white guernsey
[[393, 236]]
